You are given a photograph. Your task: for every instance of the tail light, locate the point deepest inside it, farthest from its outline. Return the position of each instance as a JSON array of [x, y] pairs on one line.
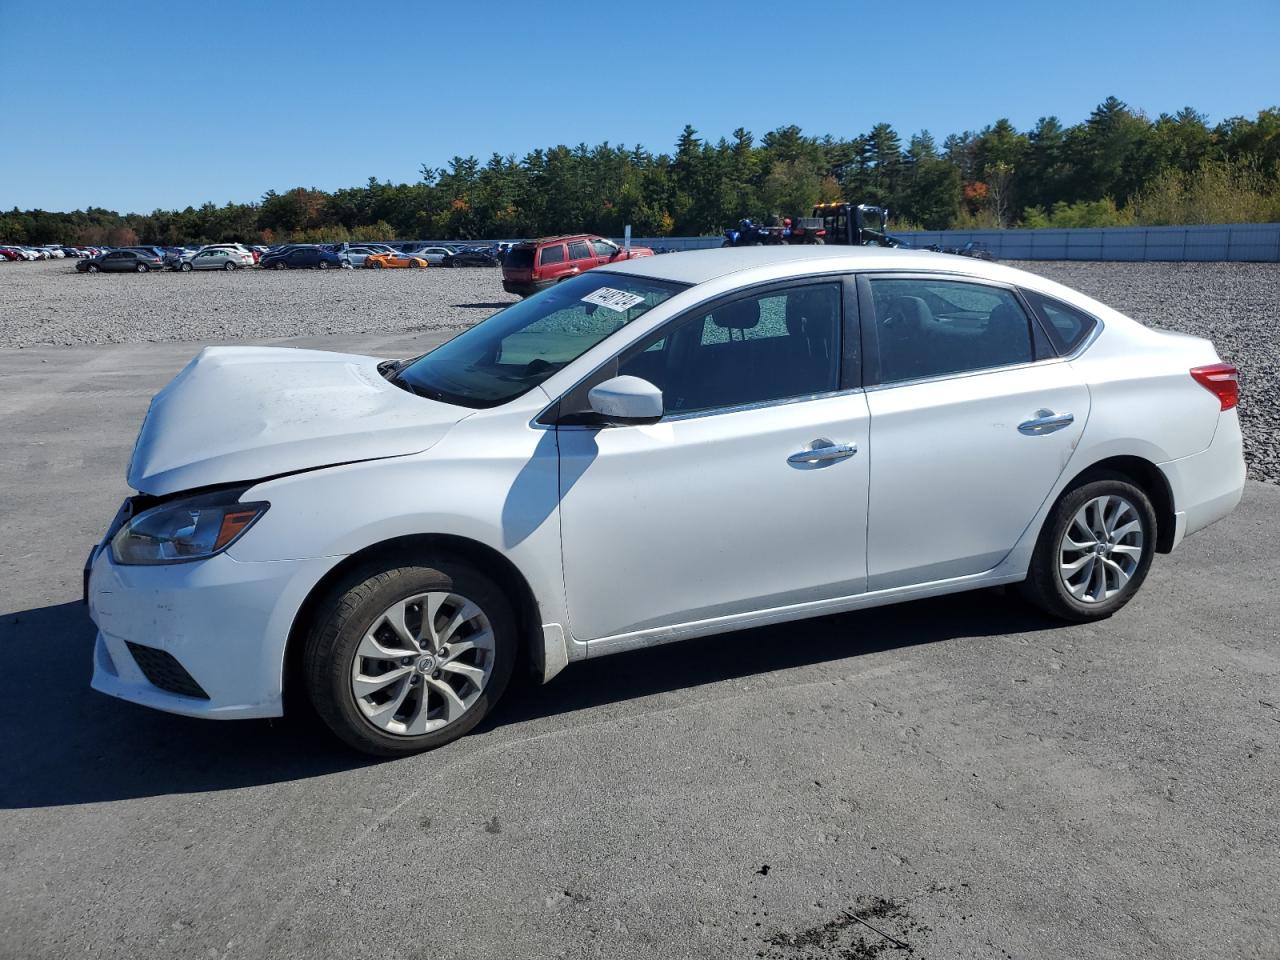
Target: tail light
[[1220, 379], [822, 233]]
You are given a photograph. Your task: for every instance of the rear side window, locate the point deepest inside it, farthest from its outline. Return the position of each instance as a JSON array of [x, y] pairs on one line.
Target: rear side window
[[552, 254], [932, 328], [580, 250], [1066, 325]]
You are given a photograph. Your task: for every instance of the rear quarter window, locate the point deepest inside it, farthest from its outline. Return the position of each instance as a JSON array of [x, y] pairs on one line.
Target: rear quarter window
[[1067, 326], [518, 258]]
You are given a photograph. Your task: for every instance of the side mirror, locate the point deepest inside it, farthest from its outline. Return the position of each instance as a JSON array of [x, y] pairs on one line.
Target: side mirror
[[626, 401]]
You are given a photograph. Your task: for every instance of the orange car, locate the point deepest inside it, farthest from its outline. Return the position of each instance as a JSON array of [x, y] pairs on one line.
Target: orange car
[[378, 261]]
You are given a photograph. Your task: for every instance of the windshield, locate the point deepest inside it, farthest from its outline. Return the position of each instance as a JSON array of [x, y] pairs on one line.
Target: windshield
[[517, 348]]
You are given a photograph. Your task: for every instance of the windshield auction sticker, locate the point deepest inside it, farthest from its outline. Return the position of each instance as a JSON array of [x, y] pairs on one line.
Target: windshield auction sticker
[[619, 301]]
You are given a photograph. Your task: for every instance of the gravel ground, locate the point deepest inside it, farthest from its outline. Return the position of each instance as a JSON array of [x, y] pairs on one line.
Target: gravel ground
[[49, 303], [1235, 305]]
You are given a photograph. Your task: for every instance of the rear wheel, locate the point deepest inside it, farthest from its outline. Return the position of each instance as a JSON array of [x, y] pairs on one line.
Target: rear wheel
[[407, 658], [323, 264], [1094, 551], [230, 265], [142, 268]]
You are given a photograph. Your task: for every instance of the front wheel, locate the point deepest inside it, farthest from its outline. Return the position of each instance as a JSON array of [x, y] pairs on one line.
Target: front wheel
[[281, 265], [1094, 551], [407, 658], [185, 268], [323, 264], [93, 268]]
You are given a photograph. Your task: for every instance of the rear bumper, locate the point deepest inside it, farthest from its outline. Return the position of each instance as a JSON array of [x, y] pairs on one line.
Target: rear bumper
[[524, 288], [226, 623], [1207, 486]]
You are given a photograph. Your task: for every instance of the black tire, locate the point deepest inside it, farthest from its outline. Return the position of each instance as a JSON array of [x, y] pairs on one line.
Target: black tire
[[377, 265], [323, 264], [354, 606], [1044, 586], [185, 268], [143, 268], [92, 268], [280, 265], [230, 265]]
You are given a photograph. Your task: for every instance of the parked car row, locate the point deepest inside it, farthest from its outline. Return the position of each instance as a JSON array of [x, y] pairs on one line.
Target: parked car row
[[13, 252], [528, 265]]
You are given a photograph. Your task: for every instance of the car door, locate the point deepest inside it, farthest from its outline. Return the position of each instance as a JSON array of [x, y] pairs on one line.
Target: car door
[[750, 493], [206, 260], [119, 261], [551, 261], [973, 417], [304, 257], [581, 256], [604, 251]]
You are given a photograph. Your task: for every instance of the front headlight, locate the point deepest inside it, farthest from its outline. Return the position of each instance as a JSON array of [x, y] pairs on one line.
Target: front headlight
[[189, 529]]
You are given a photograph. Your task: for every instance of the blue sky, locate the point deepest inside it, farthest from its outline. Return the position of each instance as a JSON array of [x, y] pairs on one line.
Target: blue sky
[[191, 102]]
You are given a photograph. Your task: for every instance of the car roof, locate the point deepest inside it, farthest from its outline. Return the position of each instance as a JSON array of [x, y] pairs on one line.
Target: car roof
[[563, 238], [700, 266]]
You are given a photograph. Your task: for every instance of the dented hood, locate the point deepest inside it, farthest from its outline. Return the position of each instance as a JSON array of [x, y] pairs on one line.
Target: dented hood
[[244, 413]]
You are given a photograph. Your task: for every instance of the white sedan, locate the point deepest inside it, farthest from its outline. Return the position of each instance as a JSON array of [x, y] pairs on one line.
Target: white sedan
[[660, 449]]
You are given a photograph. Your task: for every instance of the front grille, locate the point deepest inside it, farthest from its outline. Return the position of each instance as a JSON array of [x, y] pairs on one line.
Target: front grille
[[165, 672]]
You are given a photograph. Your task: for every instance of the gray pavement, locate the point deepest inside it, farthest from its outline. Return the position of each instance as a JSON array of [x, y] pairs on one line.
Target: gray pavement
[[966, 777]]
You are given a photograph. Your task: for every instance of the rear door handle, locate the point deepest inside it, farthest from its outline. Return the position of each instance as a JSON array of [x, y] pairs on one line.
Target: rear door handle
[[1045, 421], [823, 450]]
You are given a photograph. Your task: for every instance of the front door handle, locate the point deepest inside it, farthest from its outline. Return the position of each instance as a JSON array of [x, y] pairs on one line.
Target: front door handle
[[823, 450], [1045, 421]]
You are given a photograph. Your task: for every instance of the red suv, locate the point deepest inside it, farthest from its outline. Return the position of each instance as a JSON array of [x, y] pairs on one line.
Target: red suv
[[537, 264]]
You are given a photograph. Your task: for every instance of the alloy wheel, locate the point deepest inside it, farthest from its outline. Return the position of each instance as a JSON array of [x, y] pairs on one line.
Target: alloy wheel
[[1101, 548], [423, 663]]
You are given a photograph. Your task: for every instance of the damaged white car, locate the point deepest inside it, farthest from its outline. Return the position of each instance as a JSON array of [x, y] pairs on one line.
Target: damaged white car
[[661, 449]]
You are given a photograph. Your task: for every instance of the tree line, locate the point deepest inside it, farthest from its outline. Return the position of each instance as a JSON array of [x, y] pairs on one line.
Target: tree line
[[1116, 167]]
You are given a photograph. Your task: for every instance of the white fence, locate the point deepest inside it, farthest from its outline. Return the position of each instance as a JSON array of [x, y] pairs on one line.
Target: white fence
[[1235, 241]]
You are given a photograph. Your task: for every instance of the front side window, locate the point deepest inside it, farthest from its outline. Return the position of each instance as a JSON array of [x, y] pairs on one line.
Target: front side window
[[517, 348], [773, 346], [604, 248], [931, 328], [552, 254]]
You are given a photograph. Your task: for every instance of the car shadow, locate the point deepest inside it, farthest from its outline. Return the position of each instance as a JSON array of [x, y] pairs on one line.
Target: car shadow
[[66, 744], [495, 305], [707, 660]]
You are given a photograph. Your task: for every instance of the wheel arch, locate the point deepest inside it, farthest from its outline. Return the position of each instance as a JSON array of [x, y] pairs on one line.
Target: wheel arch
[[419, 547], [1149, 478]]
